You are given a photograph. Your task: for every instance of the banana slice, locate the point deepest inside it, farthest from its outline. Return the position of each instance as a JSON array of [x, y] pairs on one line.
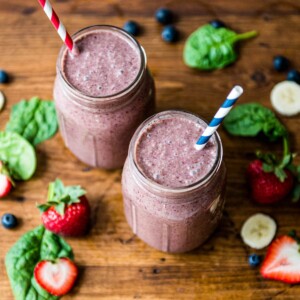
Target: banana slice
[[2, 100], [258, 231], [285, 98]]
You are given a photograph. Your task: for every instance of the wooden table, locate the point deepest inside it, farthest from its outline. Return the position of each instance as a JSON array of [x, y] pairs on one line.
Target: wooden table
[[115, 264]]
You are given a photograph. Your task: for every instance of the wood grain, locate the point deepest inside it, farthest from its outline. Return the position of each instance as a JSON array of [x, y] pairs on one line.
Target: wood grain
[[115, 264]]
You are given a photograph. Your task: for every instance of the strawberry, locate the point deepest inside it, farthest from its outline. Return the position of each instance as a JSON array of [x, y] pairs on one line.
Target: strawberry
[[6, 183], [57, 277], [67, 210], [282, 261], [266, 187]]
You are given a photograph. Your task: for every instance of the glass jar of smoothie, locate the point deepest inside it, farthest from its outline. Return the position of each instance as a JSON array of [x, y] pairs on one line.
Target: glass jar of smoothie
[[102, 95], [173, 194]]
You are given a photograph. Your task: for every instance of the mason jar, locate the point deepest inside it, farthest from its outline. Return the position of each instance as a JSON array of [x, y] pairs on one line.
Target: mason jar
[[172, 219], [98, 129]]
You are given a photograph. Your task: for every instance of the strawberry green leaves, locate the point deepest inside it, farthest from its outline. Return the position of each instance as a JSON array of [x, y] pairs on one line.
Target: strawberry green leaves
[[35, 120], [272, 164], [210, 48], [33, 246], [59, 196], [251, 119], [18, 155]]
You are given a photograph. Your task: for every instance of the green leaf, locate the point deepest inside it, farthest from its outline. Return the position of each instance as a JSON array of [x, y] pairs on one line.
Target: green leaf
[[267, 168], [60, 208], [287, 159], [268, 158], [251, 119], [75, 192], [210, 48], [296, 193], [59, 189], [34, 246], [51, 189], [18, 155], [35, 120], [43, 207], [59, 196], [280, 174]]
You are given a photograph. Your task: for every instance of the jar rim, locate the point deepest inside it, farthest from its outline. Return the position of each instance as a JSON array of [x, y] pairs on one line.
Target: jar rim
[[153, 184], [126, 90]]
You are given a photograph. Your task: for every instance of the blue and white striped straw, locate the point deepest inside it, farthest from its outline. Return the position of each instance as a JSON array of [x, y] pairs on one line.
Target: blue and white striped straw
[[233, 96]]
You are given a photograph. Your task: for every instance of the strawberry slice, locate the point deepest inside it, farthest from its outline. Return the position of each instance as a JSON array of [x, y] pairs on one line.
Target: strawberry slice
[[282, 261], [6, 183], [58, 277]]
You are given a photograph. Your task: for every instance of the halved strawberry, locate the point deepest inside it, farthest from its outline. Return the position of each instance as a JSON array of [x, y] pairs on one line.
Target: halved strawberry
[[58, 277], [6, 183], [282, 261]]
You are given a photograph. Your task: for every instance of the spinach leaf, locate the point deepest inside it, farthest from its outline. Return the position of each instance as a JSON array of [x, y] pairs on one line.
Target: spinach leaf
[[210, 48], [18, 154], [33, 246], [251, 119], [35, 120]]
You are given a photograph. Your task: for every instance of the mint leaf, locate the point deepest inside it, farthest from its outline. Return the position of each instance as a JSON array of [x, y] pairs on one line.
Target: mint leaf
[[252, 119], [209, 48], [33, 246], [18, 155], [35, 120]]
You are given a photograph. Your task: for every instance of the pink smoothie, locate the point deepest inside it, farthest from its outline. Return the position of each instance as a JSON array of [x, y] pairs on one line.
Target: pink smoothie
[[102, 95], [166, 154], [173, 194], [106, 64]]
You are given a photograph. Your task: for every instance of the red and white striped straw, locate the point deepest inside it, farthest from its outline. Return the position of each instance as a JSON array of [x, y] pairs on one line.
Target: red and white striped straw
[[58, 25]]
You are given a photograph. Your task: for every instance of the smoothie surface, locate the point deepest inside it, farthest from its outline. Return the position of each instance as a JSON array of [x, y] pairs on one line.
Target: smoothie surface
[[165, 152], [108, 63]]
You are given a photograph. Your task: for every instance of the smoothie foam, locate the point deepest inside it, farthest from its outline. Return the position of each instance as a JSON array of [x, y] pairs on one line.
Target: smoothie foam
[[165, 152], [106, 64]]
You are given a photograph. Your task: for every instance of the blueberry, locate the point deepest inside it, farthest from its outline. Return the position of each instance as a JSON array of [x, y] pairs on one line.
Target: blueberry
[[9, 221], [254, 260], [217, 24], [164, 16], [170, 34], [280, 63], [3, 76], [293, 75], [132, 27]]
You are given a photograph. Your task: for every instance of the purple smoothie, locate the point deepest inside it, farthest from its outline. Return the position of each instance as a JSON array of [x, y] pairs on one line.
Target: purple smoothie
[[106, 64], [102, 95], [173, 194], [166, 154]]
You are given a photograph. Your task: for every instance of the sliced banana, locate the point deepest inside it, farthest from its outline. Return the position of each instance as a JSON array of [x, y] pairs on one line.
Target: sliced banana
[[285, 98], [258, 231], [2, 100]]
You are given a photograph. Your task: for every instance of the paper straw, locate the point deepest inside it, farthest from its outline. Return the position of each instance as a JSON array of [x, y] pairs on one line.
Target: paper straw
[[58, 25], [233, 96]]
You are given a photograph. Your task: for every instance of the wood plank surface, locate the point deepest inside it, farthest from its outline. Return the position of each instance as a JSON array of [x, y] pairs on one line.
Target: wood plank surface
[[114, 264]]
